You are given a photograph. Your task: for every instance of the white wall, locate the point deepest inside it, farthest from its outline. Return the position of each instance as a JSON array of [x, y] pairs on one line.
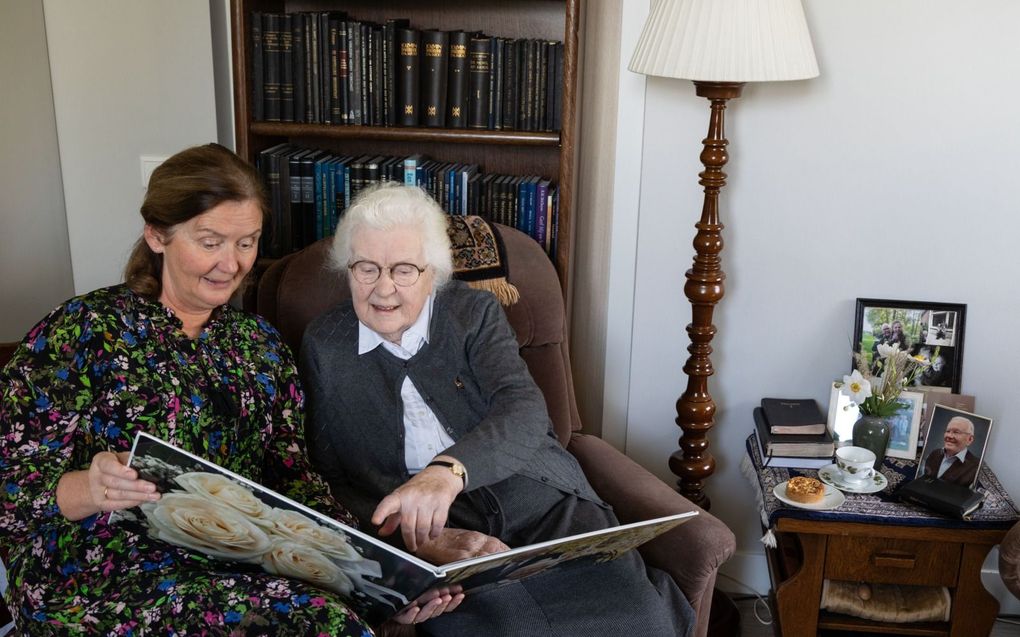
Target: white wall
[[892, 175], [130, 78], [33, 228]]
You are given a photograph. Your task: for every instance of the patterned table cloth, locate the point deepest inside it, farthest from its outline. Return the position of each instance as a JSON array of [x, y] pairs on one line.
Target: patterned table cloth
[[998, 511]]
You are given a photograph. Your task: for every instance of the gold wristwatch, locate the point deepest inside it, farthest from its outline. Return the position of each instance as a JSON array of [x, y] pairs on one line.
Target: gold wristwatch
[[455, 468]]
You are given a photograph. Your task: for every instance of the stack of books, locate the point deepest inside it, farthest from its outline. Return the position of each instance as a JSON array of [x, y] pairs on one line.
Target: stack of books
[[792, 433]]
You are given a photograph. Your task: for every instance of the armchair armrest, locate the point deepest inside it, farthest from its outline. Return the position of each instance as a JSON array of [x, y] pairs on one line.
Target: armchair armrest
[[691, 553]]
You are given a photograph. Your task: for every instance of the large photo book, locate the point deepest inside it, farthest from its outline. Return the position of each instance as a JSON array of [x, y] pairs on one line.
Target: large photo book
[[210, 510]]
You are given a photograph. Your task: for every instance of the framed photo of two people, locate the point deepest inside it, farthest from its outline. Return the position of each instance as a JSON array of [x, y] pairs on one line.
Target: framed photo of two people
[[932, 330]]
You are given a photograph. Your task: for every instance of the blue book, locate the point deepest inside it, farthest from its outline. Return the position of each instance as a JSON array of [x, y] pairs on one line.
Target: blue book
[[542, 211]]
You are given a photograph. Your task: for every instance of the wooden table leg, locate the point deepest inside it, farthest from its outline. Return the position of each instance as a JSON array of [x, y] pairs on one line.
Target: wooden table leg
[[974, 608], [797, 598]]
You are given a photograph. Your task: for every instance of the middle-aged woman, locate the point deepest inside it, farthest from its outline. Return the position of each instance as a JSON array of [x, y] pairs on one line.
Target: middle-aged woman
[[162, 353], [422, 413]]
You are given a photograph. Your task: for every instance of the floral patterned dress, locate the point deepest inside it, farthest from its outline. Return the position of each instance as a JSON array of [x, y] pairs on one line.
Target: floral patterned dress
[[85, 379]]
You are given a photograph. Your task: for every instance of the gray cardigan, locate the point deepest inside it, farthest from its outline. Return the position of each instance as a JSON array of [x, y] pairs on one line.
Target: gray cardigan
[[471, 375]]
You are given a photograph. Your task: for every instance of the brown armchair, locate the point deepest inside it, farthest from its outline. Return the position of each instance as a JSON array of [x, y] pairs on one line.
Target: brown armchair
[[299, 287]]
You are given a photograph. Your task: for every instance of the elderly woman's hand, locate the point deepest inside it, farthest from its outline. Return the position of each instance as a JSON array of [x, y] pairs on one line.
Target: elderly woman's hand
[[431, 604], [454, 545], [419, 506], [108, 485]]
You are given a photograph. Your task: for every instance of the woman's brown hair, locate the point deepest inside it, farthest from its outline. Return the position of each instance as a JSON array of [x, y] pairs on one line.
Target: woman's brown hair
[[186, 185]]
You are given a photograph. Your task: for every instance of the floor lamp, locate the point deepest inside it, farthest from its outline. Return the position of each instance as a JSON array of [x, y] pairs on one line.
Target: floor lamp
[[720, 45]]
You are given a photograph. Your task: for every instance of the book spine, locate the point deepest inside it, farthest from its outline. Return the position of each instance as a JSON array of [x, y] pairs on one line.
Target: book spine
[[530, 75], [335, 116], [457, 89], [407, 77], [542, 211], [315, 57], [510, 84], [479, 68], [494, 59], [307, 67], [496, 85], [558, 89], [373, 102], [297, 41], [433, 78], [355, 61], [286, 68], [258, 107], [364, 50], [271, 61], [297, 222], [322, 28], [344, 73]]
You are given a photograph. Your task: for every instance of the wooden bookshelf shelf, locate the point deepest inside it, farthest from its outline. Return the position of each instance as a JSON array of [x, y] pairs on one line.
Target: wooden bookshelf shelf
[[444, 135]]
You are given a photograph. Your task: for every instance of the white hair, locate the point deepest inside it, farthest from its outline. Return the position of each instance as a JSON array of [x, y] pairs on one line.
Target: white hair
[[391, 205]]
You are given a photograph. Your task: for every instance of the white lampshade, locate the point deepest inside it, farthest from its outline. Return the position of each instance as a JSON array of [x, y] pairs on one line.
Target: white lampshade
[[726, 41]]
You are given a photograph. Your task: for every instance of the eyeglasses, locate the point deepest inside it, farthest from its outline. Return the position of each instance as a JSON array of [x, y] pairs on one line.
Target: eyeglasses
[[402, 274]]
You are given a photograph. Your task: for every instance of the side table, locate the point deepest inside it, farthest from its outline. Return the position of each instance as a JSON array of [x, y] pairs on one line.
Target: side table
[[874, 538]]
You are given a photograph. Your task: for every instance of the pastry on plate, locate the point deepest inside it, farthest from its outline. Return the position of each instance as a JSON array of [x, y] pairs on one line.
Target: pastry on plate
[[805, 490]]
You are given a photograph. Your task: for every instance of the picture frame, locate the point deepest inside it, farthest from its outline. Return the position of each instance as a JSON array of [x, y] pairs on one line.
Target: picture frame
[[931, 329], [843, 413], [963, 402], [904, 426], [948, 426]]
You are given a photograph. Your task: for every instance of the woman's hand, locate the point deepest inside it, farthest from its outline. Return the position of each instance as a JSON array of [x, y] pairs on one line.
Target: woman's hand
[[431, 604], [108, 485], [454, 545], [419, 506]]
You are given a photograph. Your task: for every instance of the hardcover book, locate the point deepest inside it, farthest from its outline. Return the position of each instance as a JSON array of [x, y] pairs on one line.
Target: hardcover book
[[479, 68], [433, 78], [793, 415], [212, 511], [796, 445], [457, 84], [272, 52], [408, 87]]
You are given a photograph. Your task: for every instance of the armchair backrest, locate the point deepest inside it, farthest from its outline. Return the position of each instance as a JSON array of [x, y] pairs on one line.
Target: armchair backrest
[[301, 286]]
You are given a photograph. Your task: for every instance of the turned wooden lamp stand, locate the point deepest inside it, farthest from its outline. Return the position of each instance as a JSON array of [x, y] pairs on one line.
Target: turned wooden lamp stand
[[720, 45], [695, 409]]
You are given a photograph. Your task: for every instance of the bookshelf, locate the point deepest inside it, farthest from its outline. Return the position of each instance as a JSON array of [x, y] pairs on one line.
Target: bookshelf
[[550, 154]]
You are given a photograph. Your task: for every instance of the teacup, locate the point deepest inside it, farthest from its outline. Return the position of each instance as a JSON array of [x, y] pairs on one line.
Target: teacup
[[856, 464]]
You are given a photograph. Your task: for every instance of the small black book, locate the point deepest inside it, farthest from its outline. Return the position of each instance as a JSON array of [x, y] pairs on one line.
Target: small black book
[[793, 415], [948, 498], [793, 445]]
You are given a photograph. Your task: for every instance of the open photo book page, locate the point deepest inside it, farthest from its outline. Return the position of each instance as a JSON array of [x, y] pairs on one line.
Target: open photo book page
[[212, 511]]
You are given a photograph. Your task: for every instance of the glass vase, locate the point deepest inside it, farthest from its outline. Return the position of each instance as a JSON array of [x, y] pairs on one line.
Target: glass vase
[[872, 432]]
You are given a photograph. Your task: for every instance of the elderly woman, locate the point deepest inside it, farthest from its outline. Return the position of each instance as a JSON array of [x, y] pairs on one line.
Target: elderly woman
[[424, 416], [162, 353]]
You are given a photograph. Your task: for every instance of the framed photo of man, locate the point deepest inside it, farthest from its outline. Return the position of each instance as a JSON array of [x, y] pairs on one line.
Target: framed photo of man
[[932, 330], [955, 446]]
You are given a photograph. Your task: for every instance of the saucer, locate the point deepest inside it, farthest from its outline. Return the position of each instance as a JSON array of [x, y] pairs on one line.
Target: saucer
[[832, 499], [829, 474]]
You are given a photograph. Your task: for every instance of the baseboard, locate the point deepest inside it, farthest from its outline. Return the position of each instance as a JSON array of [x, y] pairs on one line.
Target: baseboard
[[751, 574]]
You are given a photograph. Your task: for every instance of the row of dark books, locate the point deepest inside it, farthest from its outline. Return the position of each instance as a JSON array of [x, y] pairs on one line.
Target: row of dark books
[[310, 189], [792, 433], [326, 68]]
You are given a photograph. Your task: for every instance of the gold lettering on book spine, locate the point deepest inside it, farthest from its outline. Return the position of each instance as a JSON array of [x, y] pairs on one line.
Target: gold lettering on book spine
[[433, 50], [458, 51], [408, 48]]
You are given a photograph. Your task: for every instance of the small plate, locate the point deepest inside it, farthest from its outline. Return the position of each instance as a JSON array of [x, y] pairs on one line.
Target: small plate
[[831, 500], [829, 474]]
